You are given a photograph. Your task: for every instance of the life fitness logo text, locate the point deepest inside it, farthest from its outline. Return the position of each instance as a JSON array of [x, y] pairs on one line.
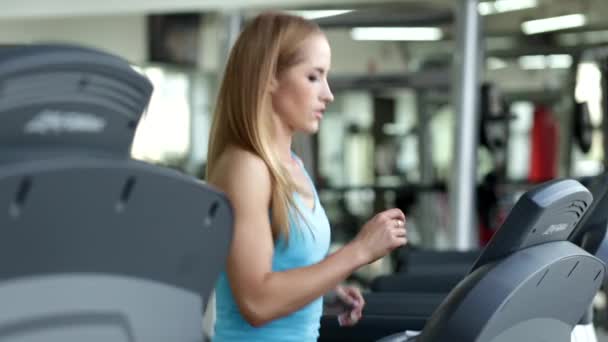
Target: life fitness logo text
[[554, 228], [56, 122]]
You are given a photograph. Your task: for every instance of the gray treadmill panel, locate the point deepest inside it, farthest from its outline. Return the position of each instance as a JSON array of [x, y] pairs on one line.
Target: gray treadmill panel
[[591, 231], [94, 246], [60, 96], [109, 216], [554, 298], [549, 212], [99, 250], [29, 60], [64, 123], [552, 283], [97, 308]]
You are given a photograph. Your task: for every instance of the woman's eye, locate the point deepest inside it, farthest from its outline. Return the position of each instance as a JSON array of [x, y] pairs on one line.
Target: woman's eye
[[312, 78]]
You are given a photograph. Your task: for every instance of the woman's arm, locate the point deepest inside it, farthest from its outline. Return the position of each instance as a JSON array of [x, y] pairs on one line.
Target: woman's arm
[[261, 294]]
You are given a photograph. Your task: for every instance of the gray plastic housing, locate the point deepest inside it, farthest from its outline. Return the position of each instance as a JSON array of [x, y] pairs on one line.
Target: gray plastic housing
[[93, 248], [68, 97], [529, 283]]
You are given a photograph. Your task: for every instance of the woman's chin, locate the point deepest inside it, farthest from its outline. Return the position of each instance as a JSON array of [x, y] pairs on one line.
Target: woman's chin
[[308, 128], [312, 129]]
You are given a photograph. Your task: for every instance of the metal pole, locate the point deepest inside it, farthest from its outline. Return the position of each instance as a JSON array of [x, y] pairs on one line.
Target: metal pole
[[428, 227], [466, 94], [566, 122]]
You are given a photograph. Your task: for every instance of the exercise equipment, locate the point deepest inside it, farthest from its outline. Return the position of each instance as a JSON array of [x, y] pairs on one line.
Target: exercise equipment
[[582, 128], [493, 302], [95, 246]]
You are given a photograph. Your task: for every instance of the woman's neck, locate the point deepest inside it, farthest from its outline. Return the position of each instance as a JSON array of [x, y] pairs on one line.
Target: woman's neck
[[283, 138], [283, 146]]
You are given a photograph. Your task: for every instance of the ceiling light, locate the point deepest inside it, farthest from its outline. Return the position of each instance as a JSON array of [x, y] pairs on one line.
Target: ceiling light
[[501, 6], [553, 24], [537, 62], [318, 14], [494, 63], [579, 38], [559, 61], [396, 33]]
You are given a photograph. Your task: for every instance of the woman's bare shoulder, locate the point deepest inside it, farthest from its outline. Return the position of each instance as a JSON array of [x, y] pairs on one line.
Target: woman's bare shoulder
[[240, 169]]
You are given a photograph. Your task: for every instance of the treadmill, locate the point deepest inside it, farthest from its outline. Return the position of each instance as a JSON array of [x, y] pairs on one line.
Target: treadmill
[[420, 295], [437, 279], [95, 246], [529, 260], [428, 270]]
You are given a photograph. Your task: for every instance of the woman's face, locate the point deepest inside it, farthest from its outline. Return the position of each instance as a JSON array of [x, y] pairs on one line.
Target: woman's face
[[301, 92]]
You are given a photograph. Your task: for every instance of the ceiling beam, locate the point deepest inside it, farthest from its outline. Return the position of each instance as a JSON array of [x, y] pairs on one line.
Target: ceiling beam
[[21, 9]]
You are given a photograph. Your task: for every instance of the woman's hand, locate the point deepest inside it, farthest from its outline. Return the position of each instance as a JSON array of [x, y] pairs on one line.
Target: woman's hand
[[351, 297], [380, 235]]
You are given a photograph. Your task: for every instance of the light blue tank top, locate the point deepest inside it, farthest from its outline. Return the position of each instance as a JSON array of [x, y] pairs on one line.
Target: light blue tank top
[[308, 244]]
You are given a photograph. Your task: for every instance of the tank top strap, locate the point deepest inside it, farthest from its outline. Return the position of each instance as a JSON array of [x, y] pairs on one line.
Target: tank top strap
[[312, 184]]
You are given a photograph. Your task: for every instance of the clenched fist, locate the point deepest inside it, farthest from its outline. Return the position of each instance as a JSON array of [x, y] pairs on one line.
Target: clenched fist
[[380, 235]]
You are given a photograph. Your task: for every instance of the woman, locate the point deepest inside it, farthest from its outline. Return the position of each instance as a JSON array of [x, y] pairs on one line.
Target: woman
[[275, 84]]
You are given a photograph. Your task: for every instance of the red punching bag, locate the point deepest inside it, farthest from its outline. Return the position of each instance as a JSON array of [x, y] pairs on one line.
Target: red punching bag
[[544, 145]]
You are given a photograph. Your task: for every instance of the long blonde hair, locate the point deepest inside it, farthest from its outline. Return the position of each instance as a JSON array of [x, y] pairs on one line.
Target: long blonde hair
[[268, 45]]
